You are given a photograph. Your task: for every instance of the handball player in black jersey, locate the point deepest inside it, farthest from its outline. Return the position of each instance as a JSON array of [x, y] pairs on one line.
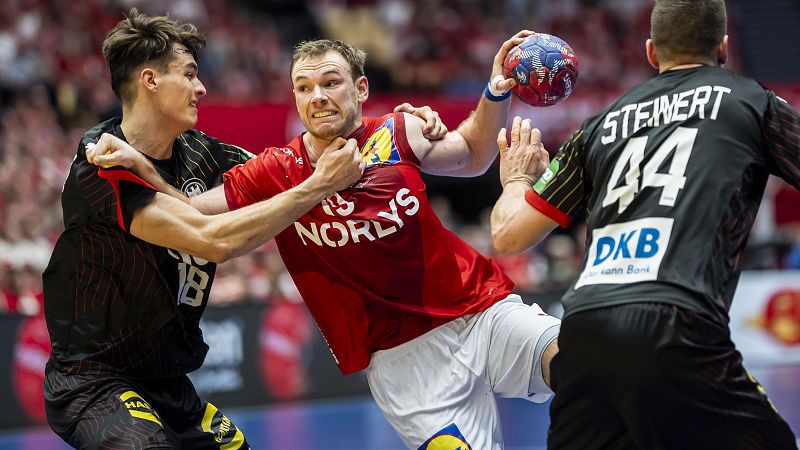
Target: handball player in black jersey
[[130, 275], [670, 176]]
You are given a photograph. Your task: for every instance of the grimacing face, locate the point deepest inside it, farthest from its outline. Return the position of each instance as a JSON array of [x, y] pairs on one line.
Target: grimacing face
[[328, 100]]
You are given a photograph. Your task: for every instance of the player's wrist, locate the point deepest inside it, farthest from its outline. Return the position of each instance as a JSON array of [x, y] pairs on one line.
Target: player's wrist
[[494, 94], [520, 180]]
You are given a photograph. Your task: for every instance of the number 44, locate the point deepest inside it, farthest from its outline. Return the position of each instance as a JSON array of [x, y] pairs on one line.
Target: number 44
[[681, 141]]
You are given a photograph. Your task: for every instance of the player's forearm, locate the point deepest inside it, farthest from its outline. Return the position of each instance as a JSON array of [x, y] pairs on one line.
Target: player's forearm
[[145, 169], [516, 226], [237, 232], [480, 132], [209, 202]]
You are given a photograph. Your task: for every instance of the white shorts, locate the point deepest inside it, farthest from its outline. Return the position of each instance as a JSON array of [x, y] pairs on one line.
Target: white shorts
[[437, 389]]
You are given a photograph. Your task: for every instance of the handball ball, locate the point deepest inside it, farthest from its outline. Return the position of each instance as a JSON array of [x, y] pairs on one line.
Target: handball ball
[[545, 68]]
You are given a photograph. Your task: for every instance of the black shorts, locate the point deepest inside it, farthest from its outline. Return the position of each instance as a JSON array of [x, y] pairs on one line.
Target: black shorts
[[656, 376], [109, 411]]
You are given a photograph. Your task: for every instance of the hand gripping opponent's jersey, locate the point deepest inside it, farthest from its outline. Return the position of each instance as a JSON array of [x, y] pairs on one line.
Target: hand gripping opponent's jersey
[[373, 263], [671, 175]]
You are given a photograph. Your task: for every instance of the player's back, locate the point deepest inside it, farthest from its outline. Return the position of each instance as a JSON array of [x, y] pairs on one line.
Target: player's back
[[677, 170]]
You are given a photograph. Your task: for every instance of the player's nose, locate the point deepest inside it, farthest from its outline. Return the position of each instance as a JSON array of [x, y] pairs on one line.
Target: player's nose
[[199, 89], [318, 95]]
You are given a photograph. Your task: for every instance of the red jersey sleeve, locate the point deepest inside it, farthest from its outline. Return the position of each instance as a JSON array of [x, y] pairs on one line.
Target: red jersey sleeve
[[261, 177]]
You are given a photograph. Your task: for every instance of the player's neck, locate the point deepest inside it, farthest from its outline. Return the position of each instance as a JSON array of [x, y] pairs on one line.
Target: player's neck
[[314, 147], [147, 134]]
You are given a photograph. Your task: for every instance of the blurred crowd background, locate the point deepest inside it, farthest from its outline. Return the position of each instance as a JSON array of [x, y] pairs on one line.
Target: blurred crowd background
[[54, 85]]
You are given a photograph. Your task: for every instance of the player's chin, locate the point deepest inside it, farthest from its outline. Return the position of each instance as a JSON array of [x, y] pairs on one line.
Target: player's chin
[[191, 119], [326, 131]]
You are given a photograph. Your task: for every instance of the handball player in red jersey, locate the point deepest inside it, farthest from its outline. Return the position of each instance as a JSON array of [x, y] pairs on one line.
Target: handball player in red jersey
[[434, 322]]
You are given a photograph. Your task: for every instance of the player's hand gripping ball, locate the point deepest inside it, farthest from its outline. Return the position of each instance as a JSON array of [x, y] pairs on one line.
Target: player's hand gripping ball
[[545, 67]]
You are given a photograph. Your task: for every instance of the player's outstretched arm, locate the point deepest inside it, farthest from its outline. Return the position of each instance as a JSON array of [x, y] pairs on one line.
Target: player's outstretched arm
[[470, 149], [112, 151], [170, 222], [516, 225]]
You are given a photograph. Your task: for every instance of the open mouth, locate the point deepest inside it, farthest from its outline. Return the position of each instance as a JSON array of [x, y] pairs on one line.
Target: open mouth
[[323, 114]]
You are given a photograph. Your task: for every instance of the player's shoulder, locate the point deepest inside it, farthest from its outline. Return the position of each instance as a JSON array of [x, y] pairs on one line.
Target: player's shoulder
[[289, 154], [89, 138], [197, 140], [94, 133], [202, 142]]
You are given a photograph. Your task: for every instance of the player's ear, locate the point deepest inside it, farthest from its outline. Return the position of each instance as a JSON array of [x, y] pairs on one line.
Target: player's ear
[[652, 57], [722, 51], [147, 77], [362, 86]]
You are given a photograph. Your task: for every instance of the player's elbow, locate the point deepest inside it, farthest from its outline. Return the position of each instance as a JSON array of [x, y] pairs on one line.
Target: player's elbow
[[221, 252], [508, 237], [211, 246], [506, 241]]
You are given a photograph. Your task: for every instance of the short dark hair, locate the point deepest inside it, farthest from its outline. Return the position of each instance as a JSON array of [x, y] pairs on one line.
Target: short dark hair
[[140, 39], [688, 28], [310, 49]]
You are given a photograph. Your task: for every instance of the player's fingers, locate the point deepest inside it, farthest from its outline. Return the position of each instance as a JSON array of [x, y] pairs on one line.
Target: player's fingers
[[515, 125], [350, 144], [90, 153], [404, 107], [502, 141], [506, 84], [360, 162], [525, 132], [536, 138], [524, 33], [335, 144], [431, 119]]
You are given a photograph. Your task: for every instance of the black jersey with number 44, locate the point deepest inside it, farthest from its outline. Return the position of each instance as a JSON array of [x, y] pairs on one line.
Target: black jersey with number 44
[[671, 176], [114, 302]]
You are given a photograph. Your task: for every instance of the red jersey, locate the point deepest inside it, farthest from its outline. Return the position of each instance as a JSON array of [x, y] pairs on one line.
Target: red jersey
[[373, 263]]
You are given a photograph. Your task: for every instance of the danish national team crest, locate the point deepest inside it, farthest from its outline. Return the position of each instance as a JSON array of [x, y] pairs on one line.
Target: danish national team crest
[[448, 438], [380, 148]]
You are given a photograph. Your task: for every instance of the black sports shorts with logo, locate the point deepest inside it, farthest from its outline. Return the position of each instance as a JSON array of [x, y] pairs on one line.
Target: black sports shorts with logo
[[655, 376], [108, 411]]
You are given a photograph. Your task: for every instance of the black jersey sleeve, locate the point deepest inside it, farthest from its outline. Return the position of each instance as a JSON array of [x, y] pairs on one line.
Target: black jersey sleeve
[[782, 139], [112, 194], [561, 191]]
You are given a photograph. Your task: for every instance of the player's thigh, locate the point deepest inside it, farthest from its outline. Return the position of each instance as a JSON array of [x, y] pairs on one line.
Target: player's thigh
[[197, 423], [696, 377], [515, 336], [582, 415], [103, 413], [430, 398]]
